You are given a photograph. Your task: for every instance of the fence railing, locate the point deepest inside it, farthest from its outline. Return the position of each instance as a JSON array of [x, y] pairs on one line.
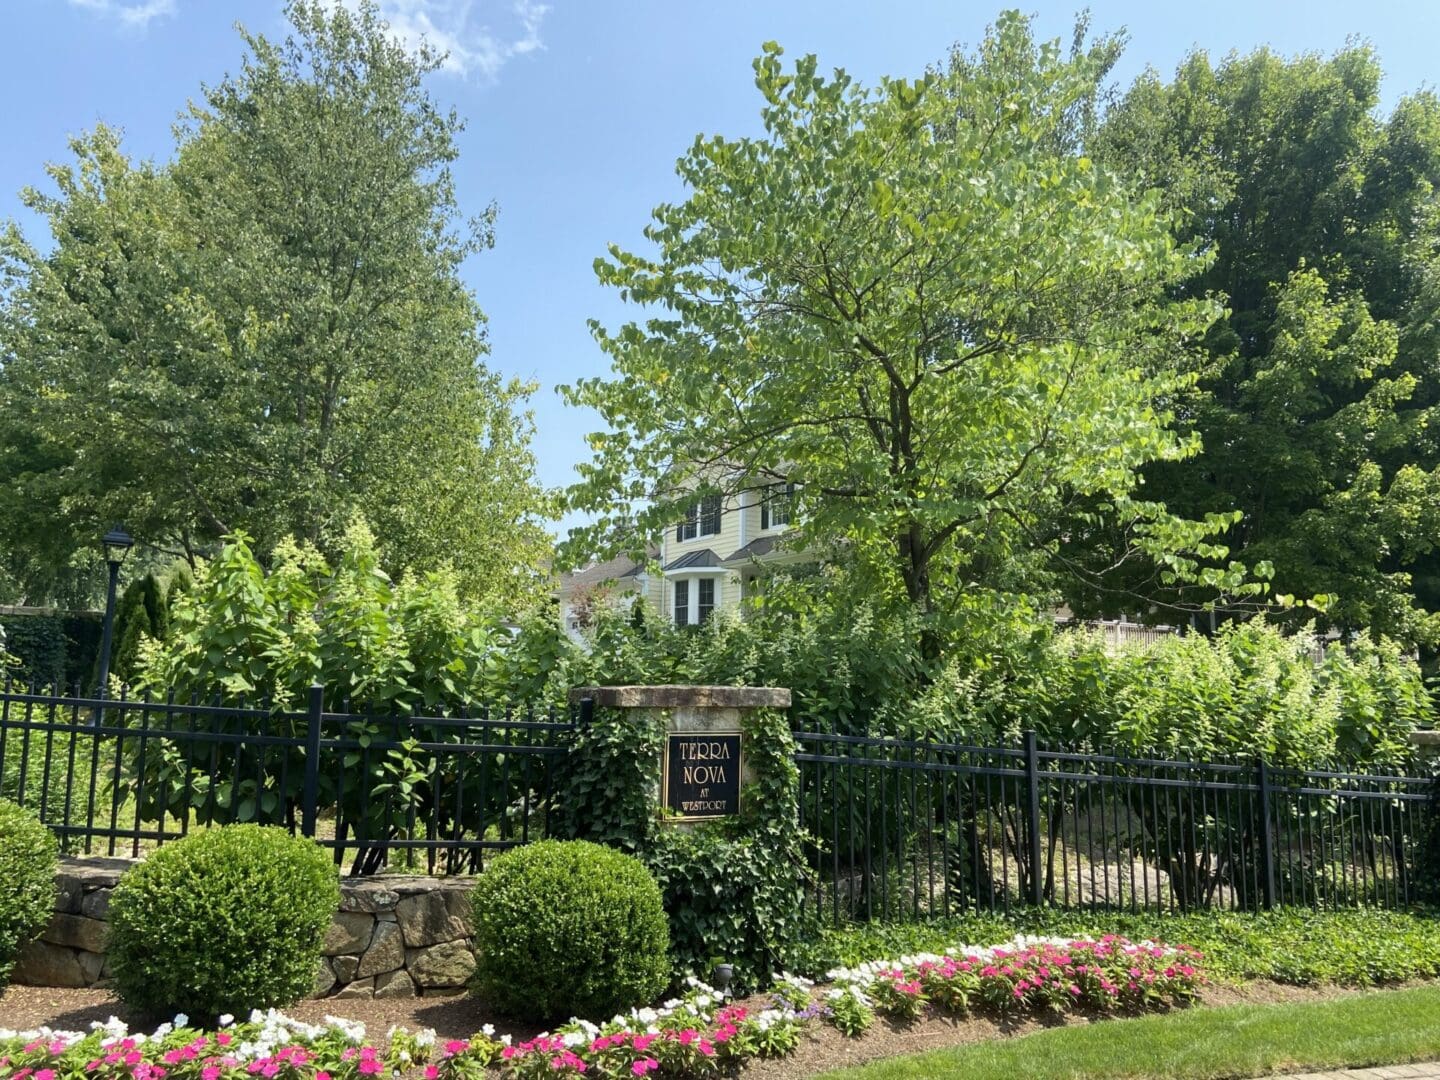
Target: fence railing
[[438, 792], [907, 829]]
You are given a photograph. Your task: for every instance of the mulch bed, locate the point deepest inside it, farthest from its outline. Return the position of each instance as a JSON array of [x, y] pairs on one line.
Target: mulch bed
[[24, 1007]]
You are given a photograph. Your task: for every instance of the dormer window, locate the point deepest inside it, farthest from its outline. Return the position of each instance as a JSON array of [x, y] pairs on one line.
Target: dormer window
[[777, 506]]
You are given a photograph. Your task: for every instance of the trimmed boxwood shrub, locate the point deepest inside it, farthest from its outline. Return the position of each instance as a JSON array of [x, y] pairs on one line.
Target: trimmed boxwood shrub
[[223, 921], [27, 881], [568, 928]]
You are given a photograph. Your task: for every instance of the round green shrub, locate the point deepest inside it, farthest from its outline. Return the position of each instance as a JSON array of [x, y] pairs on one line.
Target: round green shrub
[[568, 928], [223, 921], [27, 881]]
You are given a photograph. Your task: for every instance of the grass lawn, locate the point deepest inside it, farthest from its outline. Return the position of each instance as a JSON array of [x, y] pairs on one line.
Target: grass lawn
[[1237, 1041]]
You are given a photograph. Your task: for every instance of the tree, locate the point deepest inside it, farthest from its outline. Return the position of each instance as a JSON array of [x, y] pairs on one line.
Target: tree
[[919, 306], [269, 332], [1317, 394], [142, 614]]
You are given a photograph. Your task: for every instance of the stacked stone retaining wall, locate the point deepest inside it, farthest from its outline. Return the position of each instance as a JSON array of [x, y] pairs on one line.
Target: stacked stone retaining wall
[[393, 936]]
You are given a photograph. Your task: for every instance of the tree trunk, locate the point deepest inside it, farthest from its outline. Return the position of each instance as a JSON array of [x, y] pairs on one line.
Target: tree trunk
[[915, 572]]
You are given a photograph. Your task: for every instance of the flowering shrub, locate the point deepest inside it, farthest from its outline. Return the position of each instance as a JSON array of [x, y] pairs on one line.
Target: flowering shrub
[[1035, 973], [693, 1035]]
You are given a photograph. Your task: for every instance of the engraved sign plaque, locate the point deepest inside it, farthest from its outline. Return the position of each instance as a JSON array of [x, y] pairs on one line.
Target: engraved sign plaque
[[702, 774]]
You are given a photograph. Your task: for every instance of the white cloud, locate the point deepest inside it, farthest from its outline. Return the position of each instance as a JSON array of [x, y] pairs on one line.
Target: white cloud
[[135, 14], [472, 44]]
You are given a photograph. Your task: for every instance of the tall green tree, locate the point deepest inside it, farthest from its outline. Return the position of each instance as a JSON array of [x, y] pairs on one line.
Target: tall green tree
[[1317, 394], [916, 303], [268, 332]]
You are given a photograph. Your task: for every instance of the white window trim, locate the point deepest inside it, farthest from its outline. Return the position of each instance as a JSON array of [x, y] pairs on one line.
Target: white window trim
[[765, 501], [693, 575]]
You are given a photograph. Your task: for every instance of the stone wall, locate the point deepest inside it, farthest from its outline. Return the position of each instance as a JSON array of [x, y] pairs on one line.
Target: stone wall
[[392, 937]]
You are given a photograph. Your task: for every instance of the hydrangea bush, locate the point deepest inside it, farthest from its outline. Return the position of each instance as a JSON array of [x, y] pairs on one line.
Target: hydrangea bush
[[695, 1034]]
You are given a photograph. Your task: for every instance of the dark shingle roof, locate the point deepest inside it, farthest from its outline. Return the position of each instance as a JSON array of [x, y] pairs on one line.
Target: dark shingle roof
[[761, 545], [695, 560], [617, 569]]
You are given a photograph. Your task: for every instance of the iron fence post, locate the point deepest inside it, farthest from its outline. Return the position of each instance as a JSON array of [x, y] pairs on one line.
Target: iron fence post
[[310, 796], [1032, 776], [587, 712], [1267, 840]]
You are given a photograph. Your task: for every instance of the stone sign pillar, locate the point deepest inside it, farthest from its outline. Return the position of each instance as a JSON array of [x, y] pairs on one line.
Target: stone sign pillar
[[702, 766]]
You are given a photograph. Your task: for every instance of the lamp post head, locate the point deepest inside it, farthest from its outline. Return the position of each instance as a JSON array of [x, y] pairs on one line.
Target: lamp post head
[[117, 543]]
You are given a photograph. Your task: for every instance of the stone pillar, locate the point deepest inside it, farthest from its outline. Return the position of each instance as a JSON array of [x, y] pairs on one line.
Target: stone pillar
[[703, 764], [1427, 742]]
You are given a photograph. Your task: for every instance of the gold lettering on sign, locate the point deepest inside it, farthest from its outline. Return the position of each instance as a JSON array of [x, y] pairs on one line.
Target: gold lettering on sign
[[705, 751], [703, 774]]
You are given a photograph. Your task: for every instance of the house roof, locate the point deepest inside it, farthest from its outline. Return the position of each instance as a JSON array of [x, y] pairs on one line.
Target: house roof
[[695, 560], [618, 570], [761, 545]]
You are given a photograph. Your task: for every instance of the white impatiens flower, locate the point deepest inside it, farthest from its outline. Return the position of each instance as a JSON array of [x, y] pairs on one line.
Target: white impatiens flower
[[226, 1020], [182, 1020]]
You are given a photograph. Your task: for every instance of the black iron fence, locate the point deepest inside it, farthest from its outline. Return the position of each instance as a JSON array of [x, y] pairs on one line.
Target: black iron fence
[[438, 792], [907, 829], [899, 829]]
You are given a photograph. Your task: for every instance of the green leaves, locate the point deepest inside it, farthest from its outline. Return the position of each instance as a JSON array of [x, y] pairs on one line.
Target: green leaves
[[917, 303], [268, 332], [1316, 403]]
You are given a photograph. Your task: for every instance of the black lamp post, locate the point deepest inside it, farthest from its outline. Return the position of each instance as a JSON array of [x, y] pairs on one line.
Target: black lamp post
[[117, 543]]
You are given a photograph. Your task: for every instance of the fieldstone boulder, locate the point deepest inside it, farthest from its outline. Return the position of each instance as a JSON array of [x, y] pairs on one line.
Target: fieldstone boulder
[[368, 895], [344, 968], [386, 951], [450, 963], [42, 964], [96, 905], [394, 984], [69, 892], [324, 978], [364, 988], [92, 965], [427, 919], [77, 932], [457, 903], [350, 932]]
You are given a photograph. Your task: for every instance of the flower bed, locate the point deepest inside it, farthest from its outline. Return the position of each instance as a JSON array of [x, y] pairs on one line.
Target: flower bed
[[688, 1036]]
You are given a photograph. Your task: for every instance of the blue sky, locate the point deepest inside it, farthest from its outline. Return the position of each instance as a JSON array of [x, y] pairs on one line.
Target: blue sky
[[578, 110]]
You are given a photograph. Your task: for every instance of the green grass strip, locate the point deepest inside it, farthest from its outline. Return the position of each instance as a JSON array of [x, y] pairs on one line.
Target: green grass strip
[[1383, 1028]]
